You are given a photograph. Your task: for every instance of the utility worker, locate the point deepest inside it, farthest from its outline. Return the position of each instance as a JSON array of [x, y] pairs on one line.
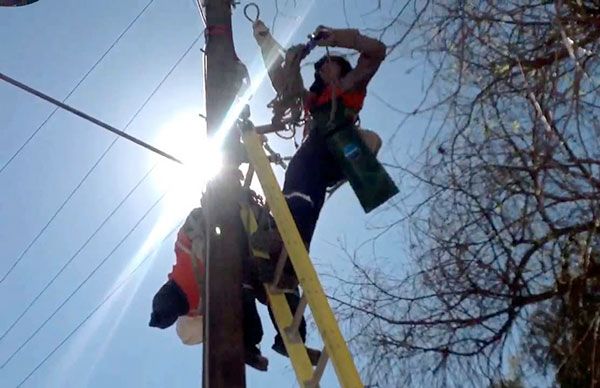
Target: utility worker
[[331, 106], [337, 86], [179, 299], [181, 295], [313, 168]]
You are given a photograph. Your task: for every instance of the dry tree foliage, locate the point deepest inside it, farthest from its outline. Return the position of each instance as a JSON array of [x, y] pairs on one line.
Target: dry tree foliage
[[504, 237]]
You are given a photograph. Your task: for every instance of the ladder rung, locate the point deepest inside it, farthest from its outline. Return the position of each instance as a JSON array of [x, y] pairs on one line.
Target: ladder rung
[[319, 370], [296, 350], [249, 176], [280, 266], [292, 330]]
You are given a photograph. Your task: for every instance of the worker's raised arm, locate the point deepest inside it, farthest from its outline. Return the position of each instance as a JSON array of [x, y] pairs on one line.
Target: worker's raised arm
[[372, 53]]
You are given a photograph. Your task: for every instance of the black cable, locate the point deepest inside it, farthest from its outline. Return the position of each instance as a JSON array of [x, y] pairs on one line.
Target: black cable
[[104, 260], [201, 12], [77, 252], [85, 116], [106, 299], [77, 85], [89, 172]]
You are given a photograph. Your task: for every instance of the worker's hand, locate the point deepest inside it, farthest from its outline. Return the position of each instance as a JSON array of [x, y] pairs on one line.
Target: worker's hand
[[259, 29], [295, 53], [324, 36]]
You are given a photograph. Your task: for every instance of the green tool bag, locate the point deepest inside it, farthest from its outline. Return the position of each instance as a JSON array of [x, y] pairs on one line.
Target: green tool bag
[[371, 183]]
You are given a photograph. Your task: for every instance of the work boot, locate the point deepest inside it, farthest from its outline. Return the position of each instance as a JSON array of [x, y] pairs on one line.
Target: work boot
[[256, 360], [313, 354]]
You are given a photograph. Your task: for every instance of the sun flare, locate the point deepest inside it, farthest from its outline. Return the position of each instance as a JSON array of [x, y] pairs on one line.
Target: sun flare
[[184, 136]]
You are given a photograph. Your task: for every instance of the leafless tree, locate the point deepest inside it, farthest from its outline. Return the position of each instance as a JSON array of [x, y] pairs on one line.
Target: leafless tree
[[508, 189]]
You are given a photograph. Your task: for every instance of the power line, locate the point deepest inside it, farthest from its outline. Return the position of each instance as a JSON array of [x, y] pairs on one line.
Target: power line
[[77, 252], [122, 134], [201, 12], [85, 116], [98, 307], [77, 85], [104, 260], [89, 172]]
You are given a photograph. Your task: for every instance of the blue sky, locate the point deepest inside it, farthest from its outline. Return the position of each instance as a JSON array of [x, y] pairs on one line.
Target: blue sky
[[51, 45]]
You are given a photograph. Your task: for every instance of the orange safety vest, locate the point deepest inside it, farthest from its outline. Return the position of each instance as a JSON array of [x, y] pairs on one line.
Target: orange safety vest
[[352, 99], [183, 272]]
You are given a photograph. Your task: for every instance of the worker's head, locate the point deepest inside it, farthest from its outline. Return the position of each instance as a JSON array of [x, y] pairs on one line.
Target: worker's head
[[329, 69], [168, 304]]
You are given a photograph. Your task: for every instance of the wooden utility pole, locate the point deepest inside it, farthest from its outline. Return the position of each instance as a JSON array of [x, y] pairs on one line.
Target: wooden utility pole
[[223, 364]]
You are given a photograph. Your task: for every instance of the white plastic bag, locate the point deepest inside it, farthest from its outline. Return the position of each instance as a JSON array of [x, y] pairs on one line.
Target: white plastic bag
[[190, 329]]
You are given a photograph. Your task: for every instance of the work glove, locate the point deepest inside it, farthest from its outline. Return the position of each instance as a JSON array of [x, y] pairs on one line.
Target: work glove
[[324, 36], [349, 38]]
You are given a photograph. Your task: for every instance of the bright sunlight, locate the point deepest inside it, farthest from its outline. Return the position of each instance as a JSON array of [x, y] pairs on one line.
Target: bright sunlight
[[184, 136]]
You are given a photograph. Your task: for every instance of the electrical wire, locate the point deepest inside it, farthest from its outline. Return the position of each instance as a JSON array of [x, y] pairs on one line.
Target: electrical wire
[[93, 167], [201, 12], [76, 254], [98, 307], [81, 284], [85, 116], [129, 26]]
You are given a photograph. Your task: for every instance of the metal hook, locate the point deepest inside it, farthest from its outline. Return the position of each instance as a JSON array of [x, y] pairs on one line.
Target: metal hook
[[257, 12]]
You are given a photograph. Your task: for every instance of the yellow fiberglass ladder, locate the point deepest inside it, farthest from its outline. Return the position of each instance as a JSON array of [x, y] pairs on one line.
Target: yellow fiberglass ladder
[[313, 295]]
